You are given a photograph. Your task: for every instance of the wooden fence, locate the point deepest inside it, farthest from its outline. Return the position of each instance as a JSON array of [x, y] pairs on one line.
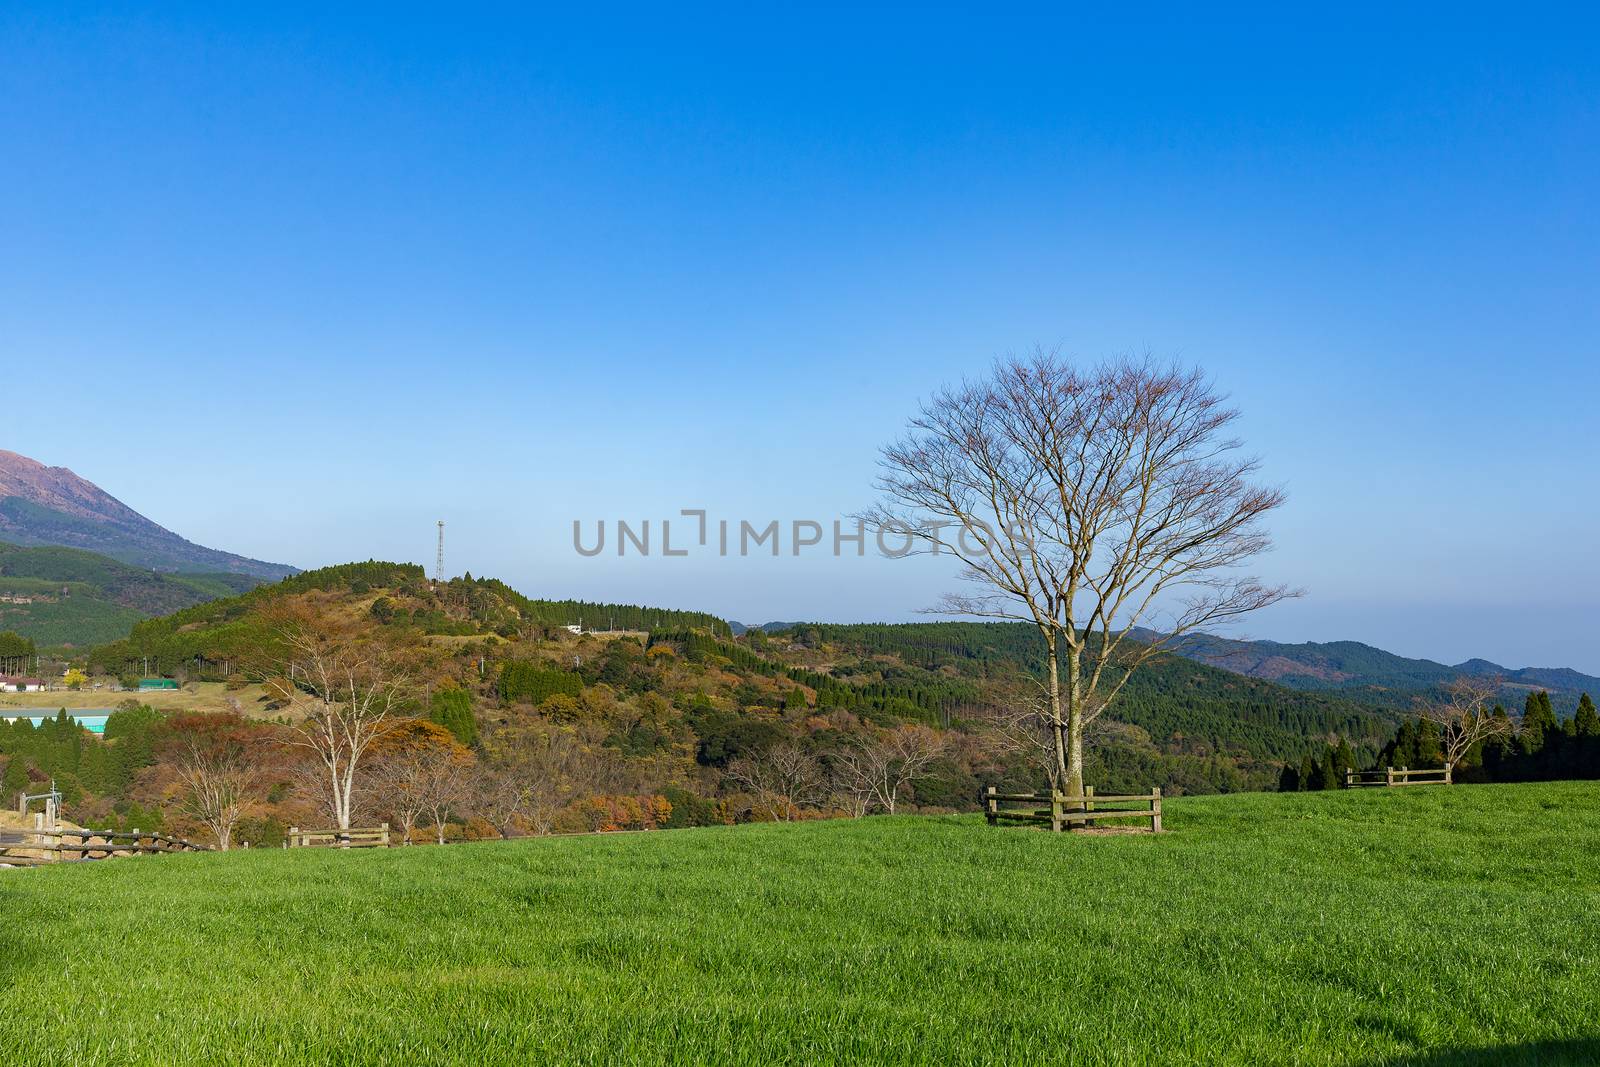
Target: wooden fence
[[1060, 811], [364, 837], [28, 848], [1391, 776]]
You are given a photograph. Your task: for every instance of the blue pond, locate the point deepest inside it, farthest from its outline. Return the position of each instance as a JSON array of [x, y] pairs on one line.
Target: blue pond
[[91, 719]]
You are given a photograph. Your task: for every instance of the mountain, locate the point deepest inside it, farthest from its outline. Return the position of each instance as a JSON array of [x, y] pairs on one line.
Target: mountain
[[1371, 673], [68, 596], [42, 505]]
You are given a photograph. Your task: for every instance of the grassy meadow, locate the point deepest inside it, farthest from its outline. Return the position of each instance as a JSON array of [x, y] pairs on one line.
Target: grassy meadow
[[1426, 926]]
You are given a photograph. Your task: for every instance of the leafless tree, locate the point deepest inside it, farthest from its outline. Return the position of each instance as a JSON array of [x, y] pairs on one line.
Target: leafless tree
[[451, 784], [850, 778], [1109, 507], [417, 771], [781, 781], [223, 777], [1463, 717], [876, 770], [1021, 726], [344, 698]]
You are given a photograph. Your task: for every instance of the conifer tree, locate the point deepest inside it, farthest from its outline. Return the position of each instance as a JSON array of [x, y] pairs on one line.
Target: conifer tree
[[1289, 779], [1586, 723], [1308, 773], [1538, 723]]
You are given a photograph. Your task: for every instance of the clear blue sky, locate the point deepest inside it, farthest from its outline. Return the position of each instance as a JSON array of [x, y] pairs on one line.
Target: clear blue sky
[[296, 285]]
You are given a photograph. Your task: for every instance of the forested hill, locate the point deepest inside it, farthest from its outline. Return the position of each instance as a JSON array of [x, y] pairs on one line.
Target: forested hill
[[1178, 705], [68, 596], [679, 682], [1373, 675], [205, 638]]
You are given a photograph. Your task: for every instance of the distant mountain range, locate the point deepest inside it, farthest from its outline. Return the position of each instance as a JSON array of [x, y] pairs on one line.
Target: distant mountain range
[[1372, 673], [67, 596], [42, 505]]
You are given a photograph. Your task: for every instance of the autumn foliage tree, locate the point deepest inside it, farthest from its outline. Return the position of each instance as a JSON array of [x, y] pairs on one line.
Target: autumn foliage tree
[[416, 768]]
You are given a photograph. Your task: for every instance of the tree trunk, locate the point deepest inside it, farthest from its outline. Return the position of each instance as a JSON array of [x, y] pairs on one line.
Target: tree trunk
[[1057, 724], [1072, 774]]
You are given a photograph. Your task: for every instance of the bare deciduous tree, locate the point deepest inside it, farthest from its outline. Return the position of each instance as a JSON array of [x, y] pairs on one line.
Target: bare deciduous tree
[[877, 770], [415, 769], [345, 693], [220, 763], [1108, 507], [1463, 717], [450, 785], [1022, 727], [780, 781]]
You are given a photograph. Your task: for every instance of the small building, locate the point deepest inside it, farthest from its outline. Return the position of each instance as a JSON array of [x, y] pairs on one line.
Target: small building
[[147, 685], [11, 683]]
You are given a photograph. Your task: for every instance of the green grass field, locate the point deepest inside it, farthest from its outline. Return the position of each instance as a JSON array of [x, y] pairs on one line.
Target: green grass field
[[1428, 926]]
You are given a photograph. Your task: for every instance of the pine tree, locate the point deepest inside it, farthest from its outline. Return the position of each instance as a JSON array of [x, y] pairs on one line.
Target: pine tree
[[1404, 752], [1308, 773], [1586, 723], [1430, 747], [1538, 723], [1289, 779], [15, 780]]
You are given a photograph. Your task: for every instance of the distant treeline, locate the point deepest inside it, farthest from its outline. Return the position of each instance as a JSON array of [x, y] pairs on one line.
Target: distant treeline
[[1539, 747], [1177, 701]]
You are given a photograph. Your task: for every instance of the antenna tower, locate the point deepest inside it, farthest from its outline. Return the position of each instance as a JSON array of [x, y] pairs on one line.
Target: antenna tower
[[438, 561]]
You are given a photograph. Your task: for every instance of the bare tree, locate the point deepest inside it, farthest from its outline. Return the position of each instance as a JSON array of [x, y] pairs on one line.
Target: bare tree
[[780, 781], [850, 778], [450, 784], [1108, 507], [1463, 717], [874, 771], [219, 761], [346, 691], [415, 768]]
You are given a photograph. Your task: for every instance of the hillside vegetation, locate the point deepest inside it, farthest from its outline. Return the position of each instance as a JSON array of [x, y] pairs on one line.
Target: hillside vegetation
[[676, 723], [79, 598], [1424, 926]]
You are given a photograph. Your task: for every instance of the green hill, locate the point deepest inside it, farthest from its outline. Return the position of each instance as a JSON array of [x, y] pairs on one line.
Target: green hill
[[1423, 927], [1182, 725], [69, 596]]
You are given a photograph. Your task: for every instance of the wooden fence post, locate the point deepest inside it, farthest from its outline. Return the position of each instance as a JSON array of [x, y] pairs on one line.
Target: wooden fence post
[[1055, 811], [1447, 770], [991, 806], [292, 841], [385, 835], [1388, 776], [1155, 810], [1088, 804]]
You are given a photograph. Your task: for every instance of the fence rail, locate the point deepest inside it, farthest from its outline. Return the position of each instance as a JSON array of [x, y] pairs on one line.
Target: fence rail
[[362, 837], [1393, 776], [29, 848], [1062, 812]]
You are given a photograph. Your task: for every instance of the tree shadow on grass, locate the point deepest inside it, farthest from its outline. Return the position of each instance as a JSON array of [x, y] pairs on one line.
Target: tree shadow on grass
[[1572, 1052]]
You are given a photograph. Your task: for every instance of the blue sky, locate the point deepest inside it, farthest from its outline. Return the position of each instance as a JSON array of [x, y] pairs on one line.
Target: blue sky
[[298, 284]]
